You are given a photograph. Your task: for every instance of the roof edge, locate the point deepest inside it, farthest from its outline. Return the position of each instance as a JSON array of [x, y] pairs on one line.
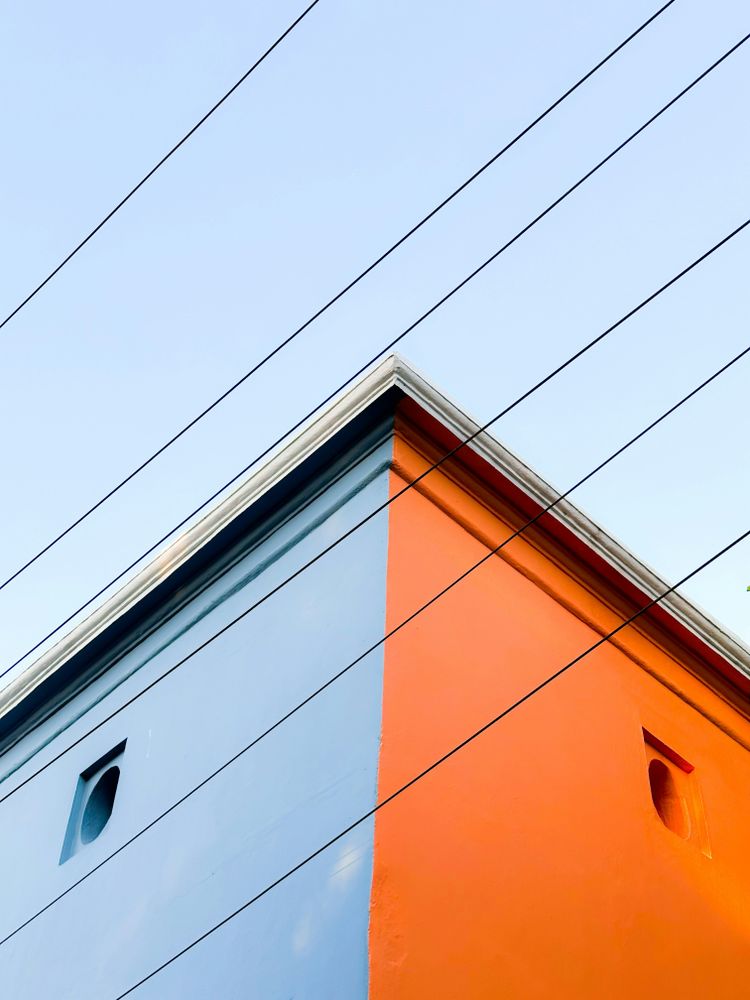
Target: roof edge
[[584, 528], [314, 433], [392, 373]]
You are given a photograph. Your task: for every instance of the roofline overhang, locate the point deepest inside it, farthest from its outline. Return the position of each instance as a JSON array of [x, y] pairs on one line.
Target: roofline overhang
[[392, 377]]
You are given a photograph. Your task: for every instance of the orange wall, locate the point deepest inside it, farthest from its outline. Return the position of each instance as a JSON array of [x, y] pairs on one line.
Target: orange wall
[[533, 863]]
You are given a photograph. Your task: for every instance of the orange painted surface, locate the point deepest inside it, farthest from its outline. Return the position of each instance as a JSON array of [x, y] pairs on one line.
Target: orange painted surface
[[534, 863]]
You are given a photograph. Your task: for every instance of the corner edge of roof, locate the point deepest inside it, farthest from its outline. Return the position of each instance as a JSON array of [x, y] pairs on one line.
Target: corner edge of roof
[[393, 372]]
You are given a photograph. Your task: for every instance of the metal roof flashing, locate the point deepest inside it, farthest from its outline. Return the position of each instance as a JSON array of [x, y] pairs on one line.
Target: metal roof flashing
[[380, 388]]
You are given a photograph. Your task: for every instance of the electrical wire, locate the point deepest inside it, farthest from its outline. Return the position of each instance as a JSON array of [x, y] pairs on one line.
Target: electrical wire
[[311, 697], [384, 351], [434, 765], [156, 167], [347, 288], [175, 666]]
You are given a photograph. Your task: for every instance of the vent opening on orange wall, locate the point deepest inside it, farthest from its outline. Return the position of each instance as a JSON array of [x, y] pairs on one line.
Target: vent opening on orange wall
[[675, 793], [669, 804]]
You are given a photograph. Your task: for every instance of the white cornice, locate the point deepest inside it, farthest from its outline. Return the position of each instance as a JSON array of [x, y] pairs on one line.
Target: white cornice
[[729, 646], [392, 372], [287, 457]]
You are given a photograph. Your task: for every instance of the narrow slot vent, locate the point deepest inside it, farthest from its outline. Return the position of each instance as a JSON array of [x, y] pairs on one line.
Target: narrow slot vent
[[675, 793], [93, 802], [667, 800], [100, 804]]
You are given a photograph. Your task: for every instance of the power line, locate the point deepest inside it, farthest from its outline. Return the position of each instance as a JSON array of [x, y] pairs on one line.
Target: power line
[[161, 163], [435, 764], [347, 288], [384, 351], [249, 610], [311, 697]]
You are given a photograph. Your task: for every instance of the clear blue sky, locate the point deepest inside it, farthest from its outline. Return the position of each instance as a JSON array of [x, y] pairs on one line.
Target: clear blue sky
[[365, 118]]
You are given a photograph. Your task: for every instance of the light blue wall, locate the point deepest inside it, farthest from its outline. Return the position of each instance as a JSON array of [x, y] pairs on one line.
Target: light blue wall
[[293, 791]]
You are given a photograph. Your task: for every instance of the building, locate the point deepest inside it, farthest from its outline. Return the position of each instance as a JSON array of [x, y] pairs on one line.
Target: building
[[591, 844]]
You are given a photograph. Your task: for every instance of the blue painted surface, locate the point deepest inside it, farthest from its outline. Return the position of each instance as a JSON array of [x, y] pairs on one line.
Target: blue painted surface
[[279, 802]]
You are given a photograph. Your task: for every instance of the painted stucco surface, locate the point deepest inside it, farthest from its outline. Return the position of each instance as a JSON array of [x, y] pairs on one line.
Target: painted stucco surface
[[277, 803], [533, 863]]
